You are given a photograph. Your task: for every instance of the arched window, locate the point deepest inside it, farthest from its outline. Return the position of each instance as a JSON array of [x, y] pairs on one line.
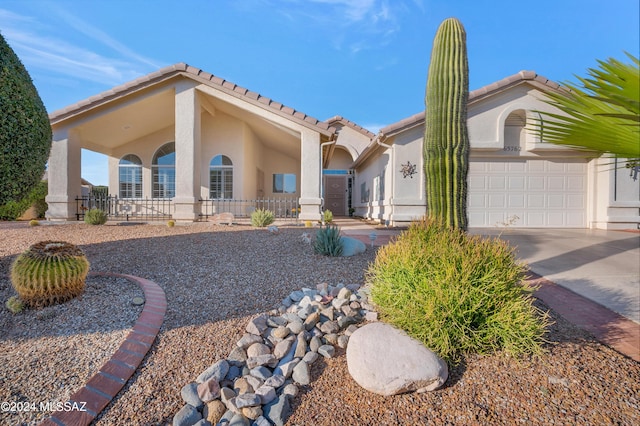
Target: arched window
[[221, 177], [514, 131], [163, 169], [130, 176]]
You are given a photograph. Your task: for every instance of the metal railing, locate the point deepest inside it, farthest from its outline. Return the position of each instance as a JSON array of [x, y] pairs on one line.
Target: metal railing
[[147, 209], [282, 208]]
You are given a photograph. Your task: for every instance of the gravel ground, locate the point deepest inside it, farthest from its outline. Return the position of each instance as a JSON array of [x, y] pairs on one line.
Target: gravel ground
[[215, 279]]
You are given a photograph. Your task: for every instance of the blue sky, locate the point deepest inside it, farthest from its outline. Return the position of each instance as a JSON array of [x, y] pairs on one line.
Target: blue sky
[[365, 60]]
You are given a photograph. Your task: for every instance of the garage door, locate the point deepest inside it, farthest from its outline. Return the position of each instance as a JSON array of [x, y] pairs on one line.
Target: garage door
[[527, 193]]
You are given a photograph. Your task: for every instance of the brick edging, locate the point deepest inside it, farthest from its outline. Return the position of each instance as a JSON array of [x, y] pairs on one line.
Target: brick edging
[[98, 392], [607, 326]]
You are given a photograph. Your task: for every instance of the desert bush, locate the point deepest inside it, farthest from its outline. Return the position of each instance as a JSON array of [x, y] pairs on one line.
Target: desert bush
[[261, 218], [328, 241], [95, 217], [171, 223], [49, 272], [327, 216], [456, 293], [14, 304], [34, 222]]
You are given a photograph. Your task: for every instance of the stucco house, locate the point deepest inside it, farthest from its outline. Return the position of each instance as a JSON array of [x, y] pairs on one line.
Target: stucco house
[[185, 144]]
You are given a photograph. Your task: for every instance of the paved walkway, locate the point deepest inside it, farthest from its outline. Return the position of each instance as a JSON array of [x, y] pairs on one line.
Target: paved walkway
[[590, 277]]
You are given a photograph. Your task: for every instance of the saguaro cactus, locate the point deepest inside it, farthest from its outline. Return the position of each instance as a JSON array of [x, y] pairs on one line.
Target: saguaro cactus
[[446, 141]]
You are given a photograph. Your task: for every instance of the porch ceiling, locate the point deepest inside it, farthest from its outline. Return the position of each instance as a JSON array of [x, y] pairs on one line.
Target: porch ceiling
[[128, 120], [272, 135]]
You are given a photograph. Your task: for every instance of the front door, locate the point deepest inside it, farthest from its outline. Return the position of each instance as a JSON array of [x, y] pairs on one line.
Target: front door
[[335, 198]]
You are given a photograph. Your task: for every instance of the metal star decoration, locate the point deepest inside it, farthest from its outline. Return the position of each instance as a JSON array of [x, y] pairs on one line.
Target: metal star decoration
[[408, 170]]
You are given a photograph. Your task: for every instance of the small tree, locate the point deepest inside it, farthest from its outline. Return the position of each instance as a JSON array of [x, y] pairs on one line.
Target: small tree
[[446, 141], [25, 132]]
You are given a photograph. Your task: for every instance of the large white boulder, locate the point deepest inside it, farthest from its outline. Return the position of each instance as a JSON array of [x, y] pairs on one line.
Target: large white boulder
[[352, 246], [386, 361]]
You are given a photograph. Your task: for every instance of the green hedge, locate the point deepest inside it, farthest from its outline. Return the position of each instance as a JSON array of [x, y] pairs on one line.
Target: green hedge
[[14, 209], [25, 131]]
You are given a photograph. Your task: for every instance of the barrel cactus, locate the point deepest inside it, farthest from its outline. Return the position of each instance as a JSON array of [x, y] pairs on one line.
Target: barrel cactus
[[49, 272], [446, 141]]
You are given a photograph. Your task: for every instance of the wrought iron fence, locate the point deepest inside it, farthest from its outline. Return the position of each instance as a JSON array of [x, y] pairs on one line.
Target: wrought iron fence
[[282, 208], [118, 208]]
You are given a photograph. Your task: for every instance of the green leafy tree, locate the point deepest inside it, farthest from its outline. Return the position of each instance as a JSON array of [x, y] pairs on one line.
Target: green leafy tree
[[601, 113], [25, 132], [446, 141]]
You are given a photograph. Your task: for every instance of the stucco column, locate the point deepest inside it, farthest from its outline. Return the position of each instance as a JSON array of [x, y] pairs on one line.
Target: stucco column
[[310, 175], [63, 176], [187, 133]]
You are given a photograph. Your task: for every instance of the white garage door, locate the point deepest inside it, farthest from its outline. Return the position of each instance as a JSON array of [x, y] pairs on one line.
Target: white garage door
[[527, 193]]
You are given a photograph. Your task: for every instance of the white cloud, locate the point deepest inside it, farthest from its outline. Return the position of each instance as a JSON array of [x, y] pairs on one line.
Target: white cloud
[[39, 47]]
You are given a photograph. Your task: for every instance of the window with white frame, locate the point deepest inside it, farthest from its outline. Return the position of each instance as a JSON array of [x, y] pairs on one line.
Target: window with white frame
[[130, 177], [221, 178], [364, 193], [284, 183], [163, 170]]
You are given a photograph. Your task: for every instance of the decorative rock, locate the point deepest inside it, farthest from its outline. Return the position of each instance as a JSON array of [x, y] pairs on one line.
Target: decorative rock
[[248, 339], [226, 394], [344, 293], [282, 348], [310, 357], [137, 301], [239, 420], [328, 313], [254, 382], [209, 390], [233, 373], [291, 390], [311, 320], [386, 361], [331, 339], [343, 341], [371, 316], [267, 359], [296, 295], [275, 381], [187, 416], [252, 413], [315, 343], [278, 411], [327, 351], [258, 349], [301, 346], [281, 332], [329, 327], [224, 217], [266, 394], [257, 325], [344, 322], [242, 386], [301, 373], [352, 246], [217, 371], [189, 395], [350, 330], [261, 372], [261, 421], [339, 303], [295, 327], [214, 411], [286, 369], [247, 400]]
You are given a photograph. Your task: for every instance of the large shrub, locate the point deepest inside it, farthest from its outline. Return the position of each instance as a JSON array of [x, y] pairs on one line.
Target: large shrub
[[456, 293], [12, 210], [25, 132]]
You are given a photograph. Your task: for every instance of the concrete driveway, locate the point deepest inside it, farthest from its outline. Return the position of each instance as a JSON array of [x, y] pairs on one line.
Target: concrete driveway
[[603, 266]]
